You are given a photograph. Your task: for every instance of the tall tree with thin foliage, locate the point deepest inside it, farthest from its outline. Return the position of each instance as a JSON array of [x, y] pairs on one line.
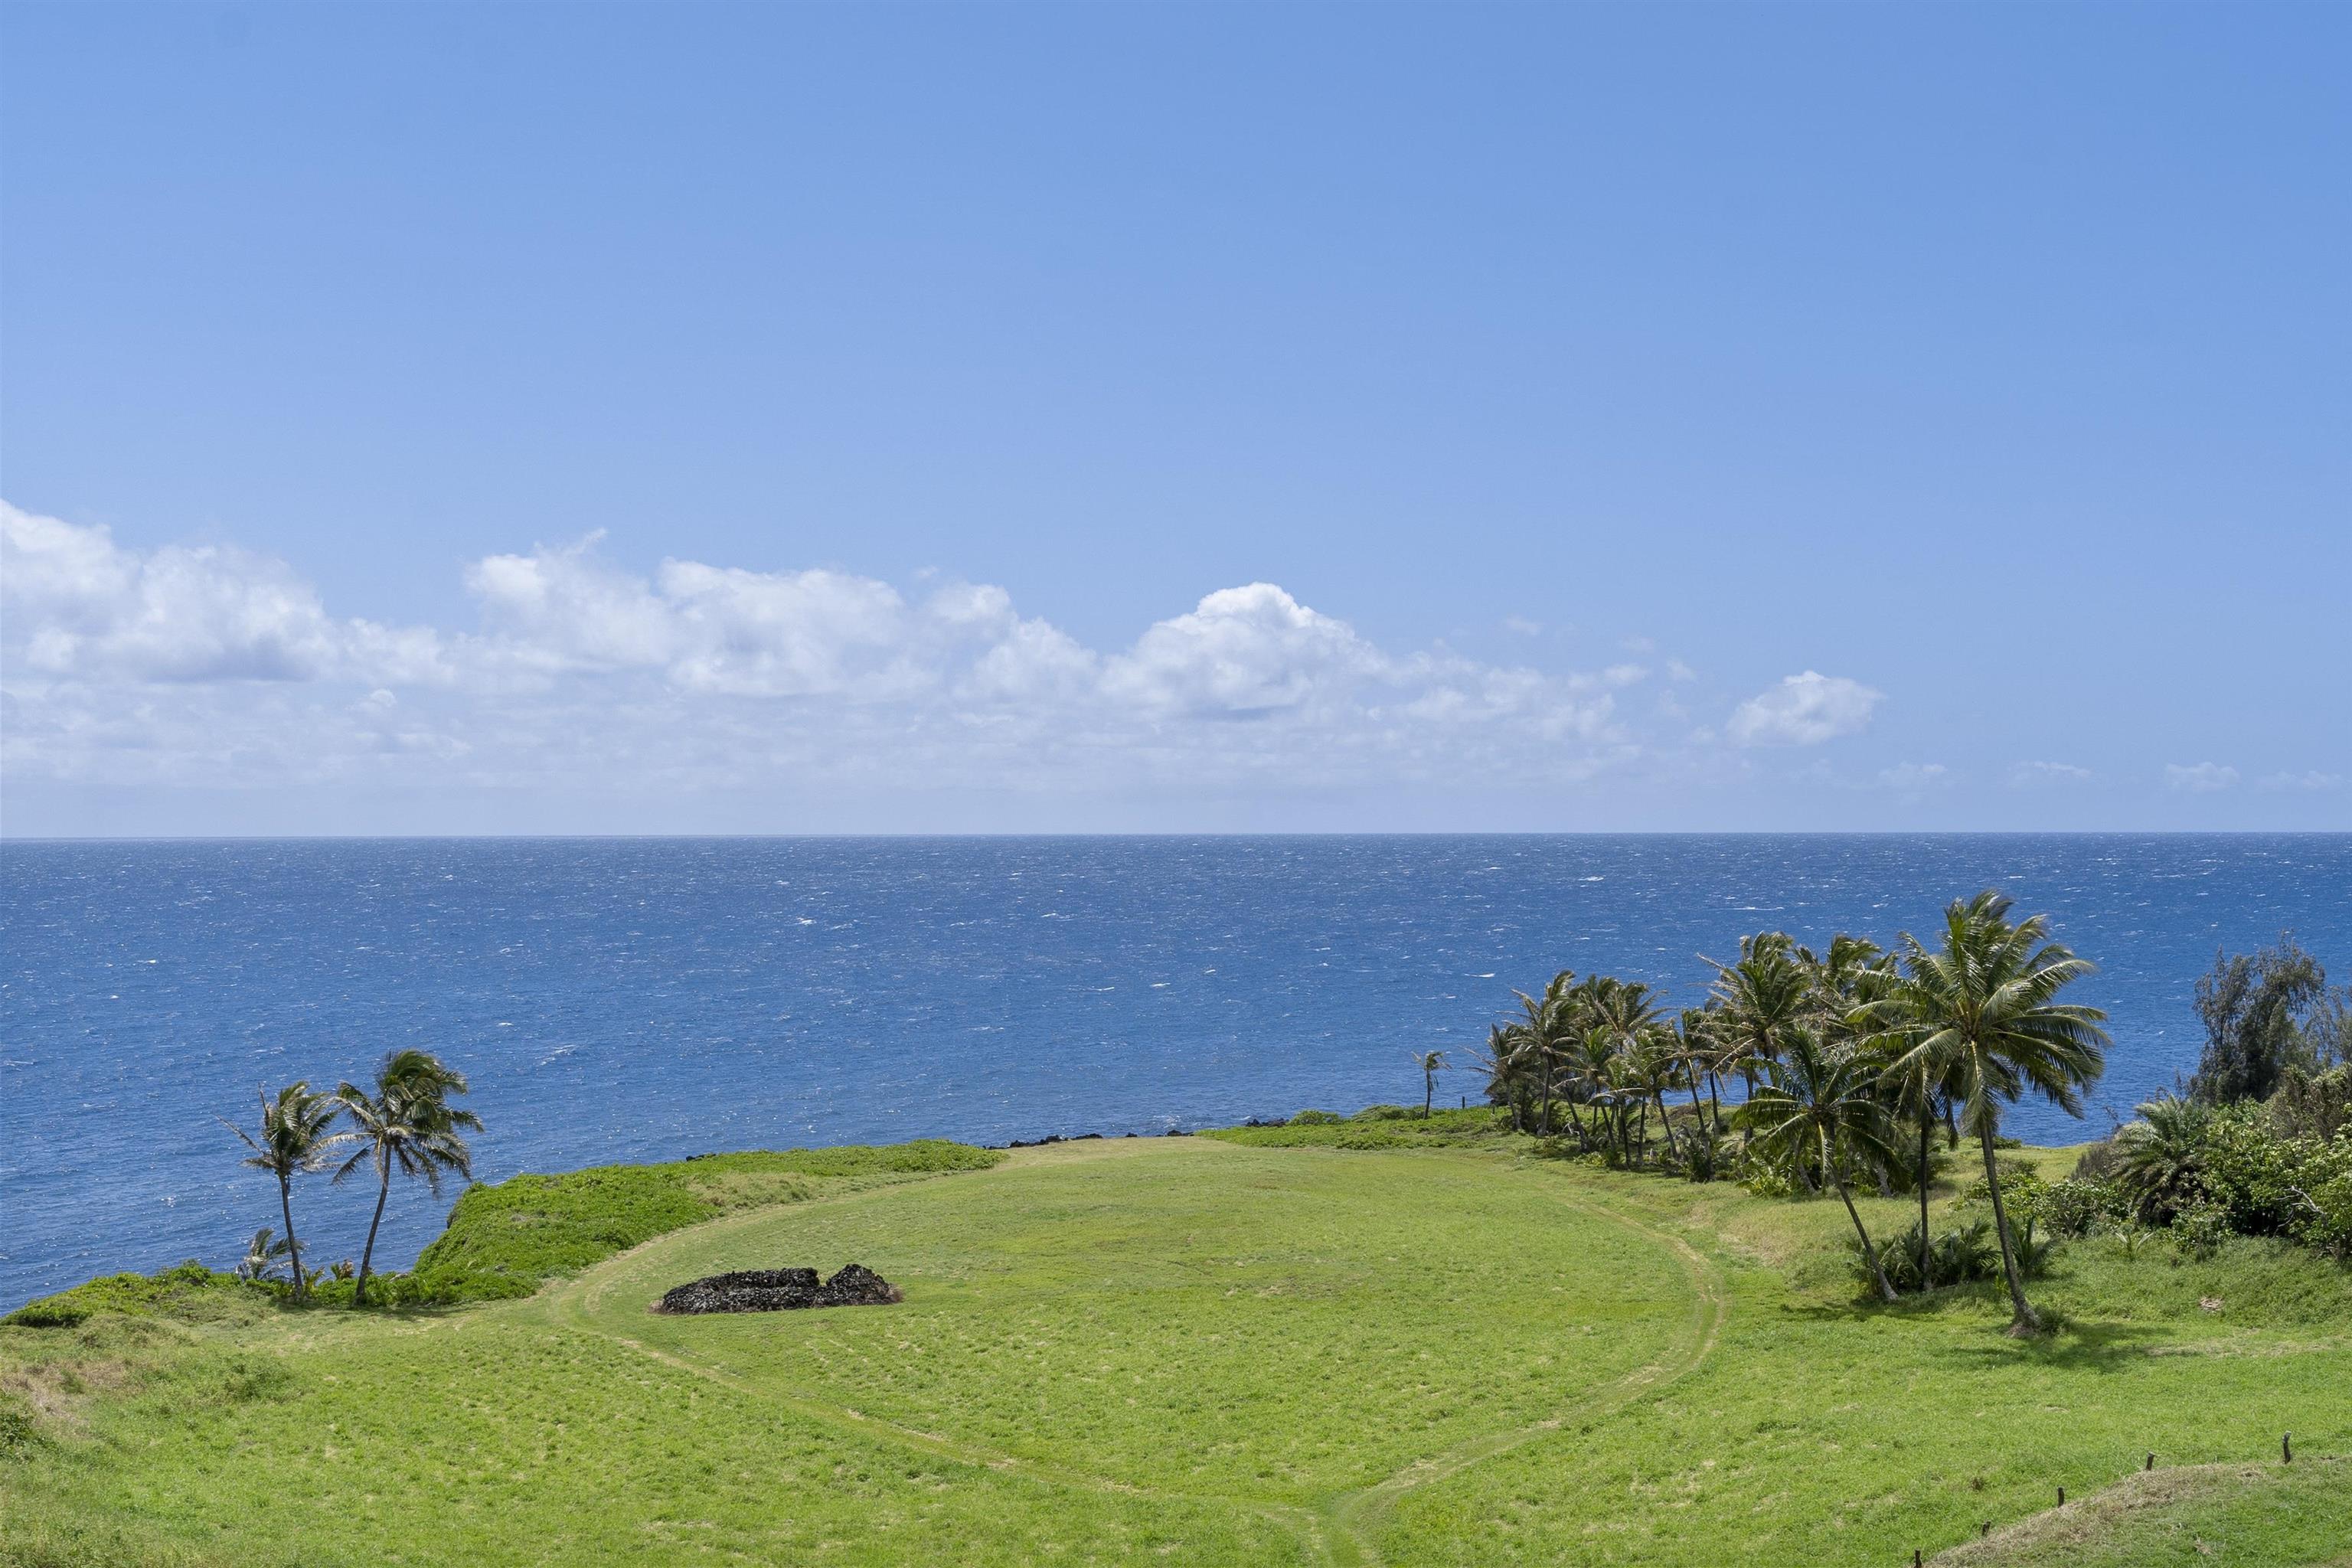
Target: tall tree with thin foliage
[[1431, 1064], [296, 1135], [1985, 1003], [405, 1123], [2254, 1007]]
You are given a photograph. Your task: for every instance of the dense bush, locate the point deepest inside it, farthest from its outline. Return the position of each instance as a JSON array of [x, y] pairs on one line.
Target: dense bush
[[2204, 1173], [188, 1291]]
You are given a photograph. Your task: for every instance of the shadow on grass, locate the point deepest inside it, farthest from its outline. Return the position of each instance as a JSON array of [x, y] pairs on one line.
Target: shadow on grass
[[2066, 1344], [2100, 1345]]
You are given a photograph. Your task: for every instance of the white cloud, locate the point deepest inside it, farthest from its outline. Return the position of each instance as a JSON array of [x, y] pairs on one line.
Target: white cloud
[[1519, 625], [218, 667], [1912, 778], [2200, 778], [2025, 774], [179, 614], [1243, 652], [1804, 710], [2313, 780]]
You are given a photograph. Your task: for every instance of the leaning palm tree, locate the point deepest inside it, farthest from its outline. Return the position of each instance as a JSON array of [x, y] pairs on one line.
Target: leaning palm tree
[[405, 1123], [295, 1137], [1817, 1100], [1431, 1064], [1984, 1006]]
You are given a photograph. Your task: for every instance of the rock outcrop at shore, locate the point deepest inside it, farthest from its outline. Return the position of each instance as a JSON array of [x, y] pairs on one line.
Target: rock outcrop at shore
[[781, 1289]]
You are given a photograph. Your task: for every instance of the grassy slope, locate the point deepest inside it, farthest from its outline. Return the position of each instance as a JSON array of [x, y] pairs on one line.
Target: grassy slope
[[1205, 1351]]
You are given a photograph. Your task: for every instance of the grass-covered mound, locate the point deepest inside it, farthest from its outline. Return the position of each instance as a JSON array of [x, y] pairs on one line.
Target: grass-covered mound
[[1208, 1351], [2184, 1517], [1380, 1126], [508, 1239], [189, 1291]]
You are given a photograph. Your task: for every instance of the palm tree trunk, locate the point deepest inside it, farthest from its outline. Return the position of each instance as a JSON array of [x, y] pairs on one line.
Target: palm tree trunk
[[1926, 1124], [293, 1247], [2023, 1320], [367, 1254], [1428, 1093], [1876, 1272], [1547, 1101], [1713, 1105], [1673, 1150]]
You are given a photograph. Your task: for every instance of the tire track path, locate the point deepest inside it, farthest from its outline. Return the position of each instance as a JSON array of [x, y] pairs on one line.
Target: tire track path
[[1340, 1532]]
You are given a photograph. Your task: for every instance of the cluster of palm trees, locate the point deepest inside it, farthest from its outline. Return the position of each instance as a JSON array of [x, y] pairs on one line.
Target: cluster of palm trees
[[1838, 1057], [404, 1122]]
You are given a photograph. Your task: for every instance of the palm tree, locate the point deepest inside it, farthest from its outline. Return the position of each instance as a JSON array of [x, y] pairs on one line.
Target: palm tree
[[406, 1123], [1817, 1099], [1547, 1028], [1921, 1080], [1431, 1064], [1506, 1057], [1758, 1001], [1694, 1056], [2162, 1157], [1985, 1006], [1621, 1019], [261, 1256], [295, 1137]]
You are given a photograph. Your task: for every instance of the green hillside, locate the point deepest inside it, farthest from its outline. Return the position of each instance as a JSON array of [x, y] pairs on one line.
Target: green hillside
[[1259, 1349]]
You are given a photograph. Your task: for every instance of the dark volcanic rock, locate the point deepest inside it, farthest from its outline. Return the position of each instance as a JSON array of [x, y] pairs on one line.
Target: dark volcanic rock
[[778, 1289]]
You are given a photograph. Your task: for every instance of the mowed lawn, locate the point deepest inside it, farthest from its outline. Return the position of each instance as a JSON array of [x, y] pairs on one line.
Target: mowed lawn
[[1188, 1350]]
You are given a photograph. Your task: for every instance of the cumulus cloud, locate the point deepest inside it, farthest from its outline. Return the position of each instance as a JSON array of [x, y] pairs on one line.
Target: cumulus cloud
[[88, 607], [2200, 778], [1242, 652], [213, 665], [1804, 710]]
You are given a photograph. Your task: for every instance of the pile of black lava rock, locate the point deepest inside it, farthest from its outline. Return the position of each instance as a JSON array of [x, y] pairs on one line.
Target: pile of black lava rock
[[776, 1290]]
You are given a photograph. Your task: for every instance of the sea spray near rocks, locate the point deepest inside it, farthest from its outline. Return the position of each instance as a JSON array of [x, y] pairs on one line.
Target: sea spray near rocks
[[781, 1289]]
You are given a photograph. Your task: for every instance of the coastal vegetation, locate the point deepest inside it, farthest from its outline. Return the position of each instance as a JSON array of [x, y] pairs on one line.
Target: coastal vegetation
[[1720, 1284], [1342, 1340]]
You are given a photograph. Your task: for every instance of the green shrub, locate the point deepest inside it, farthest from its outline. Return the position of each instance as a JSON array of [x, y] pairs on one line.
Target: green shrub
[[1317, 1118], [19, 1434], [2074, 1207], [186, 1290], [1386, 1113], [2198, 1230]]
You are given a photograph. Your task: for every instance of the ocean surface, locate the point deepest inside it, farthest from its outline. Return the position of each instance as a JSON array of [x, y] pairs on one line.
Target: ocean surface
[[646, 999]]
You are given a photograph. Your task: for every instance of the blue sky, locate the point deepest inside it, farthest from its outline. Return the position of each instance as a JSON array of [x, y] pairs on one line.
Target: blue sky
[[681, 418]]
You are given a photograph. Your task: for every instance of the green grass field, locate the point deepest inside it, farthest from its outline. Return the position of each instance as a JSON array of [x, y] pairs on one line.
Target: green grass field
[[1262, 1348]]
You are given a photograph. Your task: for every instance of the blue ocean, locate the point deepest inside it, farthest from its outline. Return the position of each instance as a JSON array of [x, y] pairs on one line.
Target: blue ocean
[[646, 999]]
